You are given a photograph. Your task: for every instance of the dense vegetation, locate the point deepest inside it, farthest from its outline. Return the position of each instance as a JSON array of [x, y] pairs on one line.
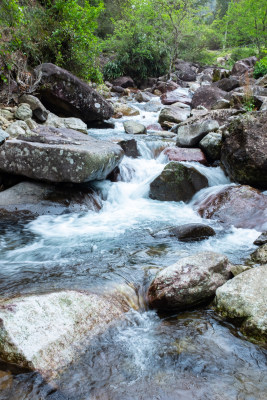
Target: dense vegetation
[[140, 37]]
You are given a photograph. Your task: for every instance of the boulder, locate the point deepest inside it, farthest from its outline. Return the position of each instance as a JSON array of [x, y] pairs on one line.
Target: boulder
[[130, 148], [241, 206], [244, 150], [134, 128], [173, 114], [38, 109], [207, 96], [69, 123], [7, 114], [244, 66], [184, 71], [190, 282], [164, 87], [262, 239], [124, 82], [183, 154], [117, 89], [18, 128], [47, 332], [177, 182], [227, 84], [23, 112], [154, 127], [125, 109], [187, 232], [143, 96], [59, 155], [259, 256], [243, 299], [221, 104], [190, 135], [177, 95], [262, 81], [31, 199], [211, 145], [3, 136], [221, 116], [65, 94]]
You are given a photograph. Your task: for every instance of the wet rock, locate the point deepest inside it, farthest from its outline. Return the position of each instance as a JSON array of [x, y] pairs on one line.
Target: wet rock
[[18, 128], [207, 96], [65, 94], [241, 206], [239, 269], [143, 97], [227, 84], [134, 128], [243, 66], [244, 150], [190, 135], [243, 299], [173, 114], [190, 282], [125, 109], [260, 255], [262, 239], [124, 82], [47, 332], [117, 89], [59, 155], [177, 182], [211, 145], [177, 95], [164, 87], [130, 148], [23, 112], [69, 123], [187, 232], [154, 127], [3, 136], [31, 199], [38, 109], [184, 154]]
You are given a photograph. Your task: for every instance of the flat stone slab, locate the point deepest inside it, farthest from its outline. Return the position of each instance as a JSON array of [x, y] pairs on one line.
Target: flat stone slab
[[59, 155]]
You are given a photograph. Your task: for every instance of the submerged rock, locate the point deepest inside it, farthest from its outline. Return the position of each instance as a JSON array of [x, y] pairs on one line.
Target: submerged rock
[[189, 282], [187, 232], [47, 332], [59, 155], [241, 206], [244, 299], [177, 182]]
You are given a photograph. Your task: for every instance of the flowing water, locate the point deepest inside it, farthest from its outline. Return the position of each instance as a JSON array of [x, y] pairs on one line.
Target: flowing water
[[192, 355]]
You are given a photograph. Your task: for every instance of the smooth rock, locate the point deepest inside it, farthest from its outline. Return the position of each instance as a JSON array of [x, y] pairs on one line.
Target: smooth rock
[[23, 112], [65, 94], [164, 87], [177, 95], [244, 299], [59, 155], [190, 135], [241, 206], [125, 109], [244, 150], [262, 239], [69, 123], [38, 109], [134, 128], [173, 114], [211, 145], [187, 232], [117, 89], [130, 148], [188, 283], [124, 82], [184, 154], [177, 182], [207, 96], [3, 136]]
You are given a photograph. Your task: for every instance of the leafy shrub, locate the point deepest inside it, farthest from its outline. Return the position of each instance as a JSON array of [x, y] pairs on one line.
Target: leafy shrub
[[113, 70], [243, 52], [260, 68]]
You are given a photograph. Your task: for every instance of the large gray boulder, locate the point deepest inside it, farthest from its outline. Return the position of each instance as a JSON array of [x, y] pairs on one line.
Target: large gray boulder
[[173, 114], [211, 145], [244, 66], [59, 155], [134, 128], [190, 135], [70, 123], [177, 182], [207, 96], [31, 199], [65, 94], [188, 283], [47, 332], [177, 95], [244, 299]]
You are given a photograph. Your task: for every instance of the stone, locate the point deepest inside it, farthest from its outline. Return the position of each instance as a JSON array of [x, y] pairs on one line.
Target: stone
[[4, 123], [59, 155], [190, 135], [243, 66], [38, 109], [259, 256], [3, 136], [69, 123], [125, 110], [154, 127], [18, 128], [143, 97], [117, 89], [177, 182], [211, 145], [47, 332], [134, 128], [221, 116], [238, 269], [173, 114], [187, 232], [221, 104], [188, 283], [124, 82], [241, 206], [31, 124], [183, 154], [262, 239], [177, 95], [23, 112], [244, 150], [244, 299], [130, 148], [184, 71], [227, 84], [31, 199], [8, 115], [65, 94], [164, 87], [207, 96], [262, 81]]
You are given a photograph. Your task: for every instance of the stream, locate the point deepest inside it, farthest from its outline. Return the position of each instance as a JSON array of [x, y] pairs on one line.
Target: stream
[[191, 355]]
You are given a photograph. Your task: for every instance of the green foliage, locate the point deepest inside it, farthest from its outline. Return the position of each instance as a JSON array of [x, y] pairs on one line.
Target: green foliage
[[260, 68], [113, 70], [243, 52]]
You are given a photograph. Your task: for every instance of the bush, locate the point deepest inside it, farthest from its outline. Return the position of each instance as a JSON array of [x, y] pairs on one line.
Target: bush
[[243, 52], [113, 70], [260, 68]]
